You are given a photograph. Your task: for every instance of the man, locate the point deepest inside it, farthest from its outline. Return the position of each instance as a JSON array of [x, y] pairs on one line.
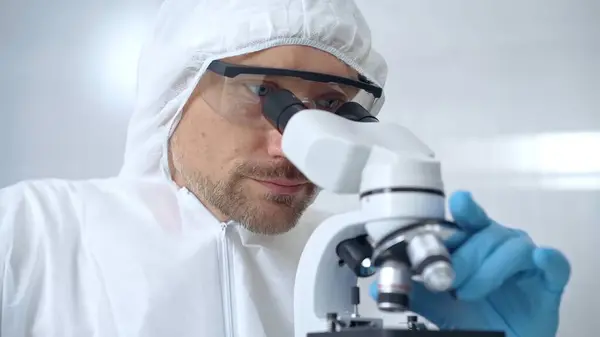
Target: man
[[201, 232]]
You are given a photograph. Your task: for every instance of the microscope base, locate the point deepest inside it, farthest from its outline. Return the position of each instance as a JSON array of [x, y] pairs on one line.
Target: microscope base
[[406, 333]]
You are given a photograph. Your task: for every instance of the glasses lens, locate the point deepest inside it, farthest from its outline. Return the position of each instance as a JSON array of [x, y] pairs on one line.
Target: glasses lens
[[240, 99]]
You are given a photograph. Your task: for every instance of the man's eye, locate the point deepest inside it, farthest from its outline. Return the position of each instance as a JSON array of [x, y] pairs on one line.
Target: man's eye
[[261, 89]]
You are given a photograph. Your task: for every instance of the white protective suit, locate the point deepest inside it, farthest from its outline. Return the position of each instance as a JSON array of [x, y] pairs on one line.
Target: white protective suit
[[137, 256]]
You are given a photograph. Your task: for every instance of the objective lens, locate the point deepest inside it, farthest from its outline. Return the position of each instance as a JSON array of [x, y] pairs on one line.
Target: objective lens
[[394, 284], [431, 260]]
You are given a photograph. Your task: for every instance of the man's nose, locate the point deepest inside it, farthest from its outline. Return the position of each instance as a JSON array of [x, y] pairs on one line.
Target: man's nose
[[274, 144]]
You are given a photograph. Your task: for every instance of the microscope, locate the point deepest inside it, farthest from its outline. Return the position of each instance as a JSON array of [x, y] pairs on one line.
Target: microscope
[[398, 235]]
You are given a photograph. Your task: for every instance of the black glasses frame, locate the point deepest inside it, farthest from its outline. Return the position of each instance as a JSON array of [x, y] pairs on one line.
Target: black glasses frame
[[233, 70]]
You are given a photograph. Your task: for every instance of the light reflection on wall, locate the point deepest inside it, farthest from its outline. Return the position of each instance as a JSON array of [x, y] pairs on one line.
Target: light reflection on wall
[[545, 160], [116, 53]]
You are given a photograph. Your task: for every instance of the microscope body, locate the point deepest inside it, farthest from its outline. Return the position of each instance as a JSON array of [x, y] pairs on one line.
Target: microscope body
[[399, 233]]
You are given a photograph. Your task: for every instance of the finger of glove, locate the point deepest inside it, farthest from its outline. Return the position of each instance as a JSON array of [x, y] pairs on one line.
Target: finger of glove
[[373, 290], [511, 257], [467, 214], [555, 267], [472, 254]]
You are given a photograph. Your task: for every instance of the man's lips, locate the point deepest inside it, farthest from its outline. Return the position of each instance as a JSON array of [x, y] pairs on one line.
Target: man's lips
[[285, 182], [283, 186]]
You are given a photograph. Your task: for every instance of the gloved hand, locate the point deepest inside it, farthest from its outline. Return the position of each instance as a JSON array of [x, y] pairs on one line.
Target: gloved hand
[[504, 282]]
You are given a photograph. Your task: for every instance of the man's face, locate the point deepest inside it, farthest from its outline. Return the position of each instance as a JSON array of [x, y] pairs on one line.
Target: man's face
[[240, 172]]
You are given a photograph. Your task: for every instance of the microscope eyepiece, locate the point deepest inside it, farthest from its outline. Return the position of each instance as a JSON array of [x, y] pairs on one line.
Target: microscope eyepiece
[[279, 107], [355, 112]]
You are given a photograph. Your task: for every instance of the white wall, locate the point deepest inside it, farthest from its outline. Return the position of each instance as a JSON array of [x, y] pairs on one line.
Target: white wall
[[506, 92], [67, 80]]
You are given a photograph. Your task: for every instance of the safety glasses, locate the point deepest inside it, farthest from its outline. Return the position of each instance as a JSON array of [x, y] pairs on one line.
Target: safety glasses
[[237, 91]]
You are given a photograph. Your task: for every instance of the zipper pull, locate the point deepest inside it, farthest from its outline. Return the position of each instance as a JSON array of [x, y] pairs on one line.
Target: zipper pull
[[227, 224]]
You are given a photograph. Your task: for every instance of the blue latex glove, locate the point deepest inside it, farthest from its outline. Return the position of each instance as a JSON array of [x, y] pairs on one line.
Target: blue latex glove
[[504, 282]]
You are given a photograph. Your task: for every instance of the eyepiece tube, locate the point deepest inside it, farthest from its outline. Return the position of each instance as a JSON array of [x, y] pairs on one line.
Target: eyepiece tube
[[279, 107], [355, 112]]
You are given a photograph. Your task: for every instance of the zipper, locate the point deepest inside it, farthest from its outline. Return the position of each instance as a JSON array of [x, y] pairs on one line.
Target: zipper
[[226, 278]]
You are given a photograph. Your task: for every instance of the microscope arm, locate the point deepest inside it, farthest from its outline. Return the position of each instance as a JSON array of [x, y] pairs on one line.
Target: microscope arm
[[322, 285]]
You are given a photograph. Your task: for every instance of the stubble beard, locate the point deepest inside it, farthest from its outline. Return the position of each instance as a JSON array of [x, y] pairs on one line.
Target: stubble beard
[[267, 214]]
